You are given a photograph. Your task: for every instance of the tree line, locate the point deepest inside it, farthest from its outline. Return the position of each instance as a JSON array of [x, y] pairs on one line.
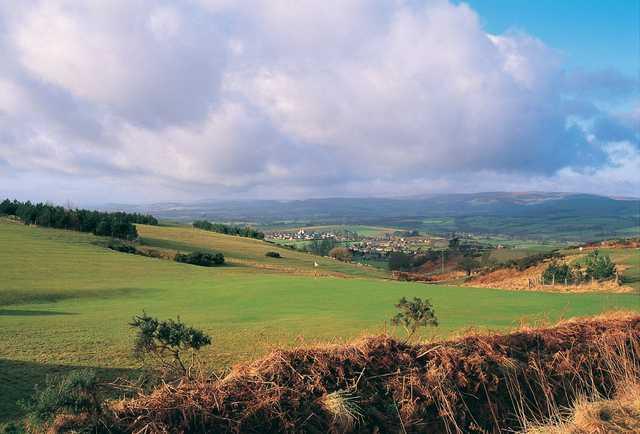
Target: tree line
[[240, 231], [110, 224]]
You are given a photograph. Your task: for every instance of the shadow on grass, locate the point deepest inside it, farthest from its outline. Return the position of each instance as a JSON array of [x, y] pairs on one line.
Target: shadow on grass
[[11, 297], [22, 312], [18, 380]]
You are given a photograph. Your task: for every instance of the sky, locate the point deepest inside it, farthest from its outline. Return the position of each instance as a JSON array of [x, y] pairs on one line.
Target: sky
[[141, 101]]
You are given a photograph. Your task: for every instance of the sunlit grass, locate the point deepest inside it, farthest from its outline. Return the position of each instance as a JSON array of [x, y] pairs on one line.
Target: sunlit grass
[[64, 300]]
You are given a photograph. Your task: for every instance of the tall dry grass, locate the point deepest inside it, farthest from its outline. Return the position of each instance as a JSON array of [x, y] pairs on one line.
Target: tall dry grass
[[479, 383], [595, 409]]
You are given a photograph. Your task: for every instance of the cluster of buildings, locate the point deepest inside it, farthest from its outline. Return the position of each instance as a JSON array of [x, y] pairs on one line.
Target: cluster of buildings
[[308, 235], [368, 247], [380, 247]]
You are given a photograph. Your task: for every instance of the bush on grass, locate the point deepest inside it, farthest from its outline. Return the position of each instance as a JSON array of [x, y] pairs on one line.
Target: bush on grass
[[201, 258]]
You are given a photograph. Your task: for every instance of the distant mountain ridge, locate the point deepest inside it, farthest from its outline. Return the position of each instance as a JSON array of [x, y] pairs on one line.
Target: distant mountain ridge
[[498, 203], [567, 216]]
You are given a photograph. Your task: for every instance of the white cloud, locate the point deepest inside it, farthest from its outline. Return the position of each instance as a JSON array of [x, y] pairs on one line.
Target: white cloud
[[277, 97], [13, 99], [64, 46], [431, 91], [132, 58], [165, 23]]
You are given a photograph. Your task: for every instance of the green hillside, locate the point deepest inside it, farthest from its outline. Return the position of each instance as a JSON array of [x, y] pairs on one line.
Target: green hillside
[[65, 301], [249, 253]]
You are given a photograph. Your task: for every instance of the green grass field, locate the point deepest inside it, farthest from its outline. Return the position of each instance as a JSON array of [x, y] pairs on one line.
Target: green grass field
[[65, 301], [630, 260]]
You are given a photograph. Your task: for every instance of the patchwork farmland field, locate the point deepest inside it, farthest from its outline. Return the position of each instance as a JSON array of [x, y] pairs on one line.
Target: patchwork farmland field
[[66, 301]]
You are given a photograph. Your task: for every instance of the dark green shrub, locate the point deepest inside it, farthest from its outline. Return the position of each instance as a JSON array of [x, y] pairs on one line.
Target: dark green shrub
[[273, 255], [122, 247], [12, 428], [201, 258], [166, 341], [75, 394], [599, 266], [414, 314]]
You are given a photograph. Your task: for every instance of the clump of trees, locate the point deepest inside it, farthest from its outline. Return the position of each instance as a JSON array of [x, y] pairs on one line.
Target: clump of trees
[[203, 259], [341, 254], [597, 266], [559, 272], [399, 261], [168, 344], [240, 231], [110, 224], [321, 247], [272, 254], [414, 314]]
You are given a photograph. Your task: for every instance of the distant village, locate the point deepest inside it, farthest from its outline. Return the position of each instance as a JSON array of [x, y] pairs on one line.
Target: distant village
[[308, 235], [409, 242]]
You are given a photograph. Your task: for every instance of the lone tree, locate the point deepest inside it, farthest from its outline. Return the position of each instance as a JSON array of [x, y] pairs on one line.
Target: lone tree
[[167, 341], [414, 314], [468, 264]]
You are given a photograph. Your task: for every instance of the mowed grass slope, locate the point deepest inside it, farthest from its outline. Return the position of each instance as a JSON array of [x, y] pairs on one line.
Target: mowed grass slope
[[250, 253], [66, 301]]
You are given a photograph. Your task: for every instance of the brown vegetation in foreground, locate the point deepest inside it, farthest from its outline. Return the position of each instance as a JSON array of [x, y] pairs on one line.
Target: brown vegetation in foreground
[[600, 416], [478, 383]]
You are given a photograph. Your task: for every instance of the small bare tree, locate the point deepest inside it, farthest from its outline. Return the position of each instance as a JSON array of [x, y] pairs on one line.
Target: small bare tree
[[414, 314]]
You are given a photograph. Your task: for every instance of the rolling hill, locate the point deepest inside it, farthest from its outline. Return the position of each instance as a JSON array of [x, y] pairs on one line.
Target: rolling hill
[[66, 301]]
